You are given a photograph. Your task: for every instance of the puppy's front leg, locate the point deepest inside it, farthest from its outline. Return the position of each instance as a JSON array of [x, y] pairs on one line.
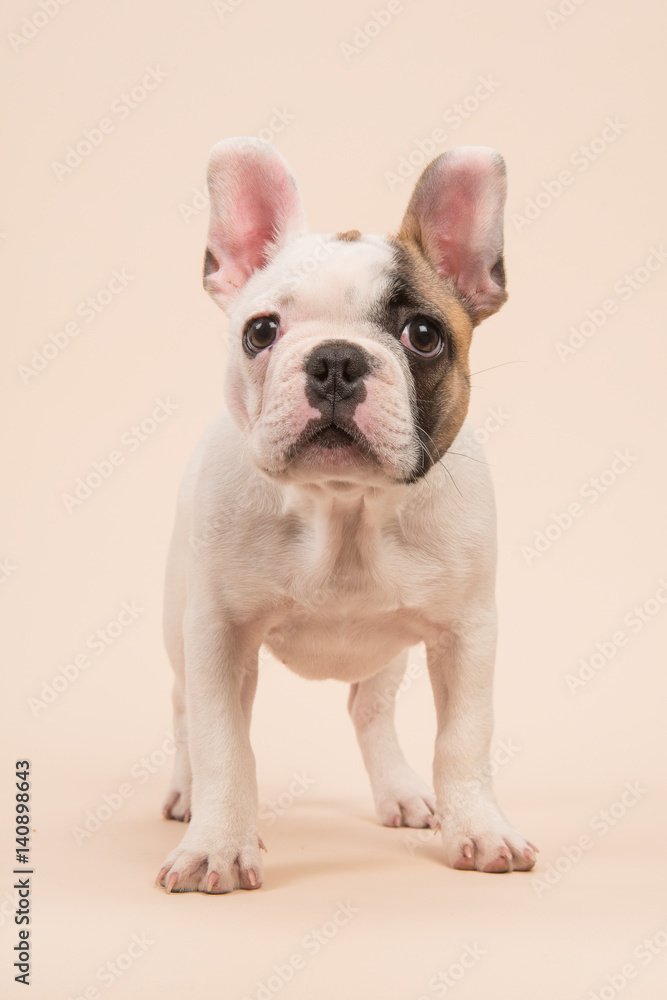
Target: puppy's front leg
[[475, 833], [220, 850], [401, 797]]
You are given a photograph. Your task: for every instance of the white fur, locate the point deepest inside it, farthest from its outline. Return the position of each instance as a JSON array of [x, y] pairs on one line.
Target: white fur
[[338, 568]]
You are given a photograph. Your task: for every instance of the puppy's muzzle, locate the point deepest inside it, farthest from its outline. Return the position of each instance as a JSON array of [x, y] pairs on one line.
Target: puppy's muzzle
[[335, 374]]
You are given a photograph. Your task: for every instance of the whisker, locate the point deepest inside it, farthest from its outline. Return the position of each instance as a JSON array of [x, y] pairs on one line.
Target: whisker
[[439, 461], [472, 458], [442, 464], [425, 449], [430, 439], [519, 361]]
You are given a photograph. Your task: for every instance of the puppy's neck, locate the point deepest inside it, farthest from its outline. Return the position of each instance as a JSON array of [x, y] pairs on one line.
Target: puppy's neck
[[342, 499], [345, 515]]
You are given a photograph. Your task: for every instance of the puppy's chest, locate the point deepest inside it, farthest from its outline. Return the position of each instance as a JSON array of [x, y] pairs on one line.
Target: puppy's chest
[[348, 607], [348, 566]]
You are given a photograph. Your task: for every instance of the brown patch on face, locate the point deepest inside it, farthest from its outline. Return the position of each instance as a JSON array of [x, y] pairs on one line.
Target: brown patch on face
[[351, 236], [442, 384]]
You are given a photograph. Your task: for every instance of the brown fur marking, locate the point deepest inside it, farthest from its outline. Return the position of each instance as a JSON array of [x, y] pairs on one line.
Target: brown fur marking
[[351, 236], [448, 396]]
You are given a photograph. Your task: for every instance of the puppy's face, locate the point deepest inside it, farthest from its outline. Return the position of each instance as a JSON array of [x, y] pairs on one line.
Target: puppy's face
[[348, 360], [349, 354]]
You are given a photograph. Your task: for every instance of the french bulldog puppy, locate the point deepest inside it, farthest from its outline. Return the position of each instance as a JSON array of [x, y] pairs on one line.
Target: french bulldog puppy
[[331, 513]]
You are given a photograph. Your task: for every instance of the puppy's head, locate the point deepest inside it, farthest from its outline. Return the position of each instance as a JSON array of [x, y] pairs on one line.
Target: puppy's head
[[349, 354]]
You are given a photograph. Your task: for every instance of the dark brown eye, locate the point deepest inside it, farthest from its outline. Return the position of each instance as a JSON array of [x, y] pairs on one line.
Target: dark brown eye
[[260, 333], [422, 336]]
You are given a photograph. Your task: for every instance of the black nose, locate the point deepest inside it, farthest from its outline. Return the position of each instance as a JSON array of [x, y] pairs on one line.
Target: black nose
[[336, 370]]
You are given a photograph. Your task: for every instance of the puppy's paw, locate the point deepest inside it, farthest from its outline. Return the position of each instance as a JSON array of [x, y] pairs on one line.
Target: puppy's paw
[[486, 843], [177, 806], [405, 800], [188, 869]]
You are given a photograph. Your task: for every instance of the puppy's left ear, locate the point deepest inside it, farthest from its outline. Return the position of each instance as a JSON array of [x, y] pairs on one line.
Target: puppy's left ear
[[255, 209], [455, 217]]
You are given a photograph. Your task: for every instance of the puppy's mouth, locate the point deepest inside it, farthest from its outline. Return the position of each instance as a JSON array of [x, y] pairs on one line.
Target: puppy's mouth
[[332, 437], [331, 443]]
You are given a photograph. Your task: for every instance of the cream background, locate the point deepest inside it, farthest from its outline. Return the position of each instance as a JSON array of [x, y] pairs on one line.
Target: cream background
[[163, 337]]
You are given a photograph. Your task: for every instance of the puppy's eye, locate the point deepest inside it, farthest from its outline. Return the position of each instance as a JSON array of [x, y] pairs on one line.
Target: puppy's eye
[[260, 333], [422, 336]]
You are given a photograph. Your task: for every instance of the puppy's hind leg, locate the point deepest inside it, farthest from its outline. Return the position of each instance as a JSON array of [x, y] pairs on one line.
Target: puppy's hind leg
[[177, 803], [401, 797]]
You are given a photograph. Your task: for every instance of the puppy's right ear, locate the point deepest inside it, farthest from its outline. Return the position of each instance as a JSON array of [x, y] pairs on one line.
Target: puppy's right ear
[[255, 209], [455, 217]]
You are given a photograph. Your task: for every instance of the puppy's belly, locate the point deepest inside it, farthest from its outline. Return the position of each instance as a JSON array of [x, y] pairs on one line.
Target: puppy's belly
[[342, 648]]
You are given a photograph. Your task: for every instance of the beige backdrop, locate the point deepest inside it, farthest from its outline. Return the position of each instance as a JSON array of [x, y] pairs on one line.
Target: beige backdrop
[[112, 109]]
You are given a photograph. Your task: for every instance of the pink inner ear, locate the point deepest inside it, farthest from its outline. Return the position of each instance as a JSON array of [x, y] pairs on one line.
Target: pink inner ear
[[457, 214], [241, 254], [466, 227], [254, 208], [453, 230]]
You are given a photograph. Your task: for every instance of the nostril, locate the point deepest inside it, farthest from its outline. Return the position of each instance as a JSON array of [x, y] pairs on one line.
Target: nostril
[[319, 369], [352, 368]]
